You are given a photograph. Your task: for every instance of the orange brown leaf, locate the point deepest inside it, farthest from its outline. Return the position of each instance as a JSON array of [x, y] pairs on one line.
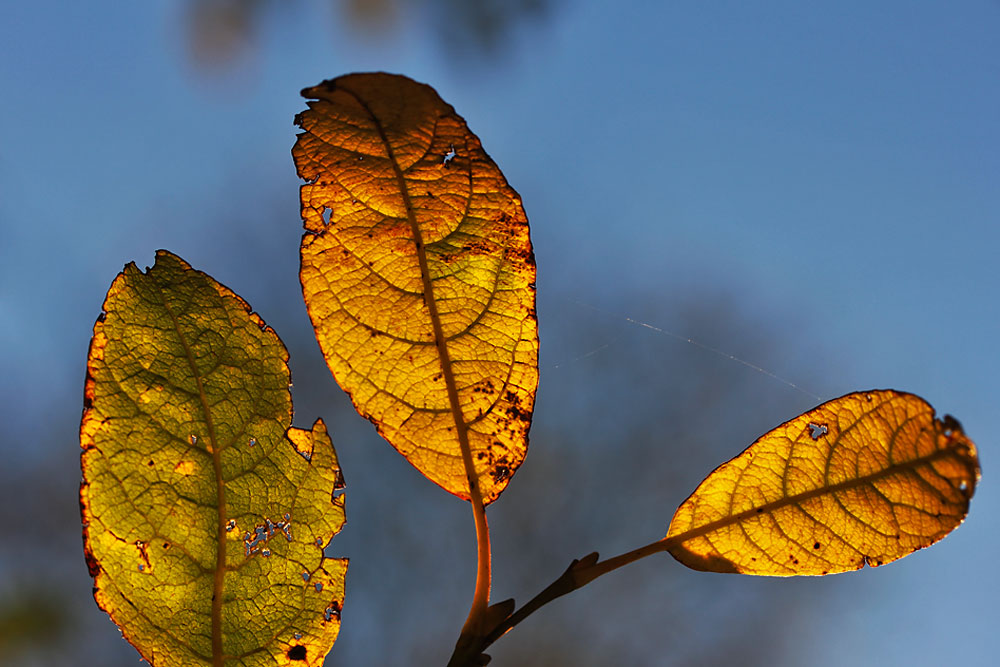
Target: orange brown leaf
[[418, 275], [864, 479], [205, 515]]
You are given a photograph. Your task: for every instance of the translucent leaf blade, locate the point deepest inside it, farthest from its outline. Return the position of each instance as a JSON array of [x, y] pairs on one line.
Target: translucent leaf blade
[[864, 479], [418, 275], [204, 522]]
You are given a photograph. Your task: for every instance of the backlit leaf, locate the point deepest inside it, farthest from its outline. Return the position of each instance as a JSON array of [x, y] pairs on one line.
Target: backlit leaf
[[418, 275], [205, 516], [864, 479]]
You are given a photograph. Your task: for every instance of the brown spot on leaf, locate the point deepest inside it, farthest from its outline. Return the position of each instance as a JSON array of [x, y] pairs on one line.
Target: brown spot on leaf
[[92, 565]]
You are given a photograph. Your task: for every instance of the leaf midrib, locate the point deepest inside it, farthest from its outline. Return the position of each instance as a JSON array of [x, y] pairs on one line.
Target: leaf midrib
[[480, 598], [786, 501], [220, 494], [440, 342]]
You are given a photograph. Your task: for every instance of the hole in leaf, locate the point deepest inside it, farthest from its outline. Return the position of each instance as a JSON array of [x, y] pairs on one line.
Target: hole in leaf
[[318, 586], [338, 486], [305, 576], [816, 431], [951, 425], [253, 441], [326, 215], [501, 473], [332, 611], [263, 533], [449, 156], [297, 653]]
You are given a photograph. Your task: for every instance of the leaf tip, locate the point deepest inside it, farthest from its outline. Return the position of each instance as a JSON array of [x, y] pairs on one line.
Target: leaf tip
[[315, 92], [964, 449]]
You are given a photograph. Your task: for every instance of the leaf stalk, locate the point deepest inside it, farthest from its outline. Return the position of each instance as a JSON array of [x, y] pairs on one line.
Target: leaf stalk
[[579, 573]]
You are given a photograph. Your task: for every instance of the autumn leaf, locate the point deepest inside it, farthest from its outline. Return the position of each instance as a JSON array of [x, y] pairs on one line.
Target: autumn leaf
[[205, 515], [864, 479], [418, 275]]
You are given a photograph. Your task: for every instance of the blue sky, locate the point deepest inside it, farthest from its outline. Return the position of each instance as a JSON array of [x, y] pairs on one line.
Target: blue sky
[[833, 168]]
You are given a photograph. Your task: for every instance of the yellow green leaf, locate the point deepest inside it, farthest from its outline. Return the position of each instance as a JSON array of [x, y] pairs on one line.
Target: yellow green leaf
[[205, 515], [419, 278], [863, 479]]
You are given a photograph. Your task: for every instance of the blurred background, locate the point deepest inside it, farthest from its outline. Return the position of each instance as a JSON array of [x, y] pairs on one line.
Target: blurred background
[[812, 190]]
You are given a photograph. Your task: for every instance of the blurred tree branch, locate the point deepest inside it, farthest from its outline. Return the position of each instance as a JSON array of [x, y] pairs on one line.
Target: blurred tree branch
[[221, 32]]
